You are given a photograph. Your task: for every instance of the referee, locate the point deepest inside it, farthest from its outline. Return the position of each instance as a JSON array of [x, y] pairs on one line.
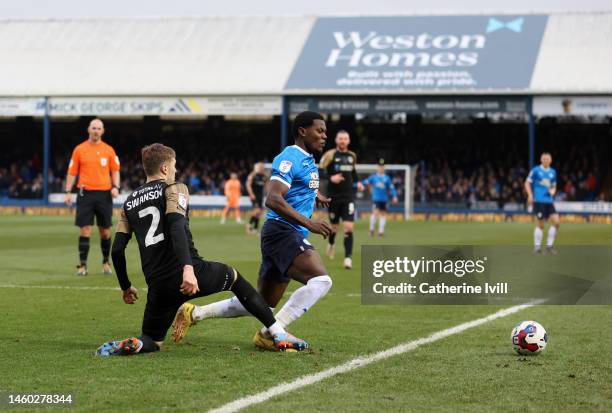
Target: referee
[[97, 166]]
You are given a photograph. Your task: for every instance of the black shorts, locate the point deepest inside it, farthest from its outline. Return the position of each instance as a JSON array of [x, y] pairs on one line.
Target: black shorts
[[381, 206], [341, 209], [543, 210], [258, 202], [164, 297], [94, 203], [280, 244]]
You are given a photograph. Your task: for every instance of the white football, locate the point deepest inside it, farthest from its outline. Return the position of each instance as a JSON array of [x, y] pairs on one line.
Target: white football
[[529, 338]]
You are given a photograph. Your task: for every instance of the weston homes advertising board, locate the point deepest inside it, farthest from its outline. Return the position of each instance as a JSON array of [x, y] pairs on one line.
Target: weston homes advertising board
[[419, 52]]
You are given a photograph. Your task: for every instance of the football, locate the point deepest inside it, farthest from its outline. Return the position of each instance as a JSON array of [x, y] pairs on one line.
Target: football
[[529, 338]]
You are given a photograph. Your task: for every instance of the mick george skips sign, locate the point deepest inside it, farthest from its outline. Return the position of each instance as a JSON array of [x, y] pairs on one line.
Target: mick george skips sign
[[404, 53]]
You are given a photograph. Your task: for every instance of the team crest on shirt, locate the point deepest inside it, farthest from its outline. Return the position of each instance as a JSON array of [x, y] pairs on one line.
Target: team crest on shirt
[[182, 200], [350, 159], [103, 161], [285, 166]]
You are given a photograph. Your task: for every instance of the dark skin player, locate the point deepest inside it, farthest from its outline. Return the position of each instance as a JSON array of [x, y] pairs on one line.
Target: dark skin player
[[308, 264]]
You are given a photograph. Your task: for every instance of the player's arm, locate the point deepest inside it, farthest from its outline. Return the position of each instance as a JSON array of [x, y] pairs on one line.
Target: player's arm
[[528, 188], [249, 185], [391, 187], [553, 186], [115, 175], [354, 172], [73, 171], [177, 201], [276, 202], [326, 168], [123, 234]]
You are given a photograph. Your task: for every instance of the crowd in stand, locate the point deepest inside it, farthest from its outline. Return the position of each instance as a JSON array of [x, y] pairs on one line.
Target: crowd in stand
[[468, 179], [461, 168], [441, 180]]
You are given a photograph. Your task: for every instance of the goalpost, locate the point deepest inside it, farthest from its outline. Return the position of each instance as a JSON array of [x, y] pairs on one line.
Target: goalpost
[[405, 185]]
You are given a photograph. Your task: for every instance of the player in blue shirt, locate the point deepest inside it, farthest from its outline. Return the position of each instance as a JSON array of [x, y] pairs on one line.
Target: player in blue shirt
[[541, 186], [380, 185], [286, 252]]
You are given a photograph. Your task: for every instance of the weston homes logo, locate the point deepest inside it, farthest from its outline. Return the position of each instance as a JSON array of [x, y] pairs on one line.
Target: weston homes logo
[[442, 52]]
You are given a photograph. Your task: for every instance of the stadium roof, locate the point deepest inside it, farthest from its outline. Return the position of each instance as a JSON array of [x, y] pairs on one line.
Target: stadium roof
[[241, 56]]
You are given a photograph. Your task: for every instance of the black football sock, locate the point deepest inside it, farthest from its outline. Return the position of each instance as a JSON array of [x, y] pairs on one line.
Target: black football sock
[[252, 301], [105, 245], [148, 344], [256, 222], [252, 223], [348, 244], [332, 238], [83, 249]]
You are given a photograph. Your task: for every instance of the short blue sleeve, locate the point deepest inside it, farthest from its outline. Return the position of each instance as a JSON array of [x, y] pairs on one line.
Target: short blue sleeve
[[283, 168], [531, 174]]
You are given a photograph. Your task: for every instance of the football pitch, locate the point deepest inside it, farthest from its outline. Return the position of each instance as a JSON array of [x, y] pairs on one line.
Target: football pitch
[[52, 322]]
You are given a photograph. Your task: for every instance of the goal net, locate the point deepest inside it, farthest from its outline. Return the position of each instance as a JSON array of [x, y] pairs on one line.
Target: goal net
[[403, 178]]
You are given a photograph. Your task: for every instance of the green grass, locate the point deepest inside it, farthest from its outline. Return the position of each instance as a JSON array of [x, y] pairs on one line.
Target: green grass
[[48, 336]]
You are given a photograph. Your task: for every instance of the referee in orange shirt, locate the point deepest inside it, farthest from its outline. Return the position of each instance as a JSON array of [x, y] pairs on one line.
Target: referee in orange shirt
[[97, 167]]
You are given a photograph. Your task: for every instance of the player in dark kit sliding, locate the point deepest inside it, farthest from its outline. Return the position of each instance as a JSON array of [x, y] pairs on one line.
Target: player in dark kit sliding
[[158, 214], [338, 165], [286, 252]]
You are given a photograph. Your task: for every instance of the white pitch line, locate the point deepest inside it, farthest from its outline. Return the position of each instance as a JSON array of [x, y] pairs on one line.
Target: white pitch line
[[358, 362]]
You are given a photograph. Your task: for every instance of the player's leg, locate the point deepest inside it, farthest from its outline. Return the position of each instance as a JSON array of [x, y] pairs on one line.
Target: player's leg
[[348, 219], [555, 223], [334, 219], [237, 209], [308, 269], [382, 207], [257, 215], [104, 219], [373, 218], [216, 277], [538, 232], [224, 212], [162, 304], [84, 220], [269, 288]]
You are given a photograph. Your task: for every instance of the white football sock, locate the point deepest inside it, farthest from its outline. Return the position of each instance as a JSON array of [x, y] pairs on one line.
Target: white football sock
[[372, 222], [303, 299], [552, 232], [537, 237], [274, 329], [381, 224], [225, 308]]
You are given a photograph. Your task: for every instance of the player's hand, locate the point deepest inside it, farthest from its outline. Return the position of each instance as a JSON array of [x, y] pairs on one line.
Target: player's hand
[[360, 186], [68, 199], [190, 282], [320, 227], [114, 192], [529, 199], [322, 201], [394, 200], [337, 178], [130, 295], [252, 197]]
